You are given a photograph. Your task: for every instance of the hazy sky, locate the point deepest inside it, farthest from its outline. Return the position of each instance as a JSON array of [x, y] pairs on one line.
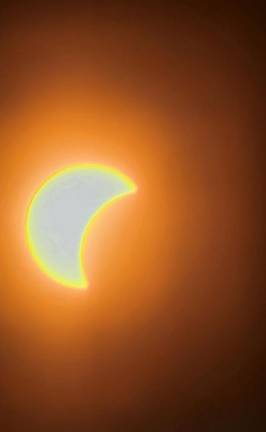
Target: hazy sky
[[170, 337]]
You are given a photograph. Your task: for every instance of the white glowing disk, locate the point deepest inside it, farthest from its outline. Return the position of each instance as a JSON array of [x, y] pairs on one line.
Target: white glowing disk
[[61, 213]]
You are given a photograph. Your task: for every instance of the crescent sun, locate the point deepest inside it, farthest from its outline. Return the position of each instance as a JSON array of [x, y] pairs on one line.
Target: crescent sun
[[60, 215]]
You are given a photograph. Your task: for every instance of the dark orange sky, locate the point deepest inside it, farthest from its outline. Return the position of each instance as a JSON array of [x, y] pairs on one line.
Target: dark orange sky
[[169, 336]]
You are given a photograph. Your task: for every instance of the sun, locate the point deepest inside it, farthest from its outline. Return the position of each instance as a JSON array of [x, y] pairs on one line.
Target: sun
[[61, 213]]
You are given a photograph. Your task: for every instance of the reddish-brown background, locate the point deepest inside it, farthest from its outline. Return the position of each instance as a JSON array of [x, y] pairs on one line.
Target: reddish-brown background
[[169, 335]]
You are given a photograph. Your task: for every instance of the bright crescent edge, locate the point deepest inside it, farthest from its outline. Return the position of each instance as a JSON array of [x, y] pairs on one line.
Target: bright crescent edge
[[83, 283]]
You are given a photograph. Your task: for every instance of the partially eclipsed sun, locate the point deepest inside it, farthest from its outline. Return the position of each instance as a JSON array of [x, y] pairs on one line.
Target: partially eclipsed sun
[[60, 216]]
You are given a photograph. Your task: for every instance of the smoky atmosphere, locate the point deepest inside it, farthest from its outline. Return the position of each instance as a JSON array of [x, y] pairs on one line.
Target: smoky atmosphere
[[169, 335]]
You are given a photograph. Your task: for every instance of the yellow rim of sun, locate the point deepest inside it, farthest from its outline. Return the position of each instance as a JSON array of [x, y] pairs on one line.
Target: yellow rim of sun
[[83, 282]]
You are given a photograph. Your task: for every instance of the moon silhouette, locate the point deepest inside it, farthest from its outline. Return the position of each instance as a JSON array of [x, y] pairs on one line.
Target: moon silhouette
[[60, 215]]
